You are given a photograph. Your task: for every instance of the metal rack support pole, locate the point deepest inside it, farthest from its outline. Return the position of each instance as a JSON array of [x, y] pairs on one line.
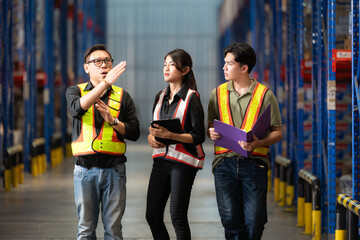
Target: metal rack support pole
[[355, 101], [331, 108], [49, 84]]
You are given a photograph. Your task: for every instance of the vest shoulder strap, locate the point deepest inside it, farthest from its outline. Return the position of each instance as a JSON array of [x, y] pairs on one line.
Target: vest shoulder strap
[[82, 86]]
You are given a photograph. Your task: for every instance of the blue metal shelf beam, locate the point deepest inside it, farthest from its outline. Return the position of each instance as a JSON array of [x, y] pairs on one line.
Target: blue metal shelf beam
[[90, 22], [30, 98], [315, 66], [99, 21], [7, 86], [319, 93], [355, 100], [290, 117], [75, 41], [331, 131], [259, 37], [292, 113], [2, 50], [252, 29], [299, 87], [64, 68], [273, 75], [84, 42], [279, 84], [49, 84], [300, 95]]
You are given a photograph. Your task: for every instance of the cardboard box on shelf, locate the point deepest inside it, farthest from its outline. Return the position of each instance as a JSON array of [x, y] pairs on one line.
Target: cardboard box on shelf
[[347, 167], [347, 44], [307, 56], [342, 24]]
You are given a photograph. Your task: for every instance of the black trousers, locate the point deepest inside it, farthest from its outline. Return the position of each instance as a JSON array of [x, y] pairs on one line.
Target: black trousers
[[175, 180]]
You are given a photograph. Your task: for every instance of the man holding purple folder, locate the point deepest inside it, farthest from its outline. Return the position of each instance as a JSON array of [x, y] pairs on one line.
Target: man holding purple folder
[[241, 182]]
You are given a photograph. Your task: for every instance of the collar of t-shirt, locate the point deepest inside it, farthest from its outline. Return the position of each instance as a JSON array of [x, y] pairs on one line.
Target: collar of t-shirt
[[230, 86], [181, 93]]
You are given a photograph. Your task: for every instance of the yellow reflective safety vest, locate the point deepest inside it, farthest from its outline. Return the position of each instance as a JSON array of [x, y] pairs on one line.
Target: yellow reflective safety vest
[[107, 141], [251, 115], [176, 151]]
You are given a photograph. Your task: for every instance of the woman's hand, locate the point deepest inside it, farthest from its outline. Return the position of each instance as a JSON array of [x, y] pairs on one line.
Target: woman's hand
[[115, 73], [159, 131], [213, 135], [153, 143], [104, 111]]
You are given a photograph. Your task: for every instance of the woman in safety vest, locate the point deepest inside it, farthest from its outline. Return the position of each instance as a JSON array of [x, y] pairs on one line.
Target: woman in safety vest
[[177, 156]]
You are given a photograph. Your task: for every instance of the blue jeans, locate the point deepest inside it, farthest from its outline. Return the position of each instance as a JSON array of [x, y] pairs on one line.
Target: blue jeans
[[95, 188], [241, 188]]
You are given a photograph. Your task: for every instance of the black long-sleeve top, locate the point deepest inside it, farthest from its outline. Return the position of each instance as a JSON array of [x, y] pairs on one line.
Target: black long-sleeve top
[[194, 121], [127, 116]]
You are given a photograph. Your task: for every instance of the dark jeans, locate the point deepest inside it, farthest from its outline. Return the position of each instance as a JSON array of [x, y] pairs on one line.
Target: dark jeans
[[241, 188], [174, 180]]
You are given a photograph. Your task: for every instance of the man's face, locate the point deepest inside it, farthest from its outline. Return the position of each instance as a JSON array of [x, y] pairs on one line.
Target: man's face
[[98, 73], [232, 69]]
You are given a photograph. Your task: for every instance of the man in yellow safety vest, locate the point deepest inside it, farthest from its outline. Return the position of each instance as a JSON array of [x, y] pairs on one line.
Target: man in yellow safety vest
[[241, 182], [103, 115]]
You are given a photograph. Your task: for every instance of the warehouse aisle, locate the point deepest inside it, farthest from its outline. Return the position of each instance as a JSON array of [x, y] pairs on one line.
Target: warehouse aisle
[[43, 207]]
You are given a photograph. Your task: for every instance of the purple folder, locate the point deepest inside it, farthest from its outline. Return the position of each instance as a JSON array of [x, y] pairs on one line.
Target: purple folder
[[230, 135]]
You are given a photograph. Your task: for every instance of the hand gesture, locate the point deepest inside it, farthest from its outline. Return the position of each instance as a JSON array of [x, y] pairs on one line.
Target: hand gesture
[[104, 111], [115, 73], [214, 135]]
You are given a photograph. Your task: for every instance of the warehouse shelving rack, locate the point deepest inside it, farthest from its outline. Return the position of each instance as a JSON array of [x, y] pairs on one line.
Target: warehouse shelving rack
[[82, 23], [287, 79]]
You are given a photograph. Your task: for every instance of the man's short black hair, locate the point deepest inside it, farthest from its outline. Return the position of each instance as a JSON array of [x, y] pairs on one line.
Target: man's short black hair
[[243, 53], [94, 48]]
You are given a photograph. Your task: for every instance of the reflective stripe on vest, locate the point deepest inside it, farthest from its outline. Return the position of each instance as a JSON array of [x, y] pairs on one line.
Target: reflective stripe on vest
[[251, 115], [106, 142], [176, 151]]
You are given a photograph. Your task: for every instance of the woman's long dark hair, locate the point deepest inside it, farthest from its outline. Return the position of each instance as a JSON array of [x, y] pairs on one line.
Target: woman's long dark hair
[[182, 59]]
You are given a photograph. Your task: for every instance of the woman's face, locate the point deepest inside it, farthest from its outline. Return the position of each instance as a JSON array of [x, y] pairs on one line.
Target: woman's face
[[171, 73]]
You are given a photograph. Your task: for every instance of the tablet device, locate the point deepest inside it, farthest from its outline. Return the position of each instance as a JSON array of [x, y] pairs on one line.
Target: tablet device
[[173, 125]]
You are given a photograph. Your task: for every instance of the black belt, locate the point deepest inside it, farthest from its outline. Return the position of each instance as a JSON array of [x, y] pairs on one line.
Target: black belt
[[99, 161]]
